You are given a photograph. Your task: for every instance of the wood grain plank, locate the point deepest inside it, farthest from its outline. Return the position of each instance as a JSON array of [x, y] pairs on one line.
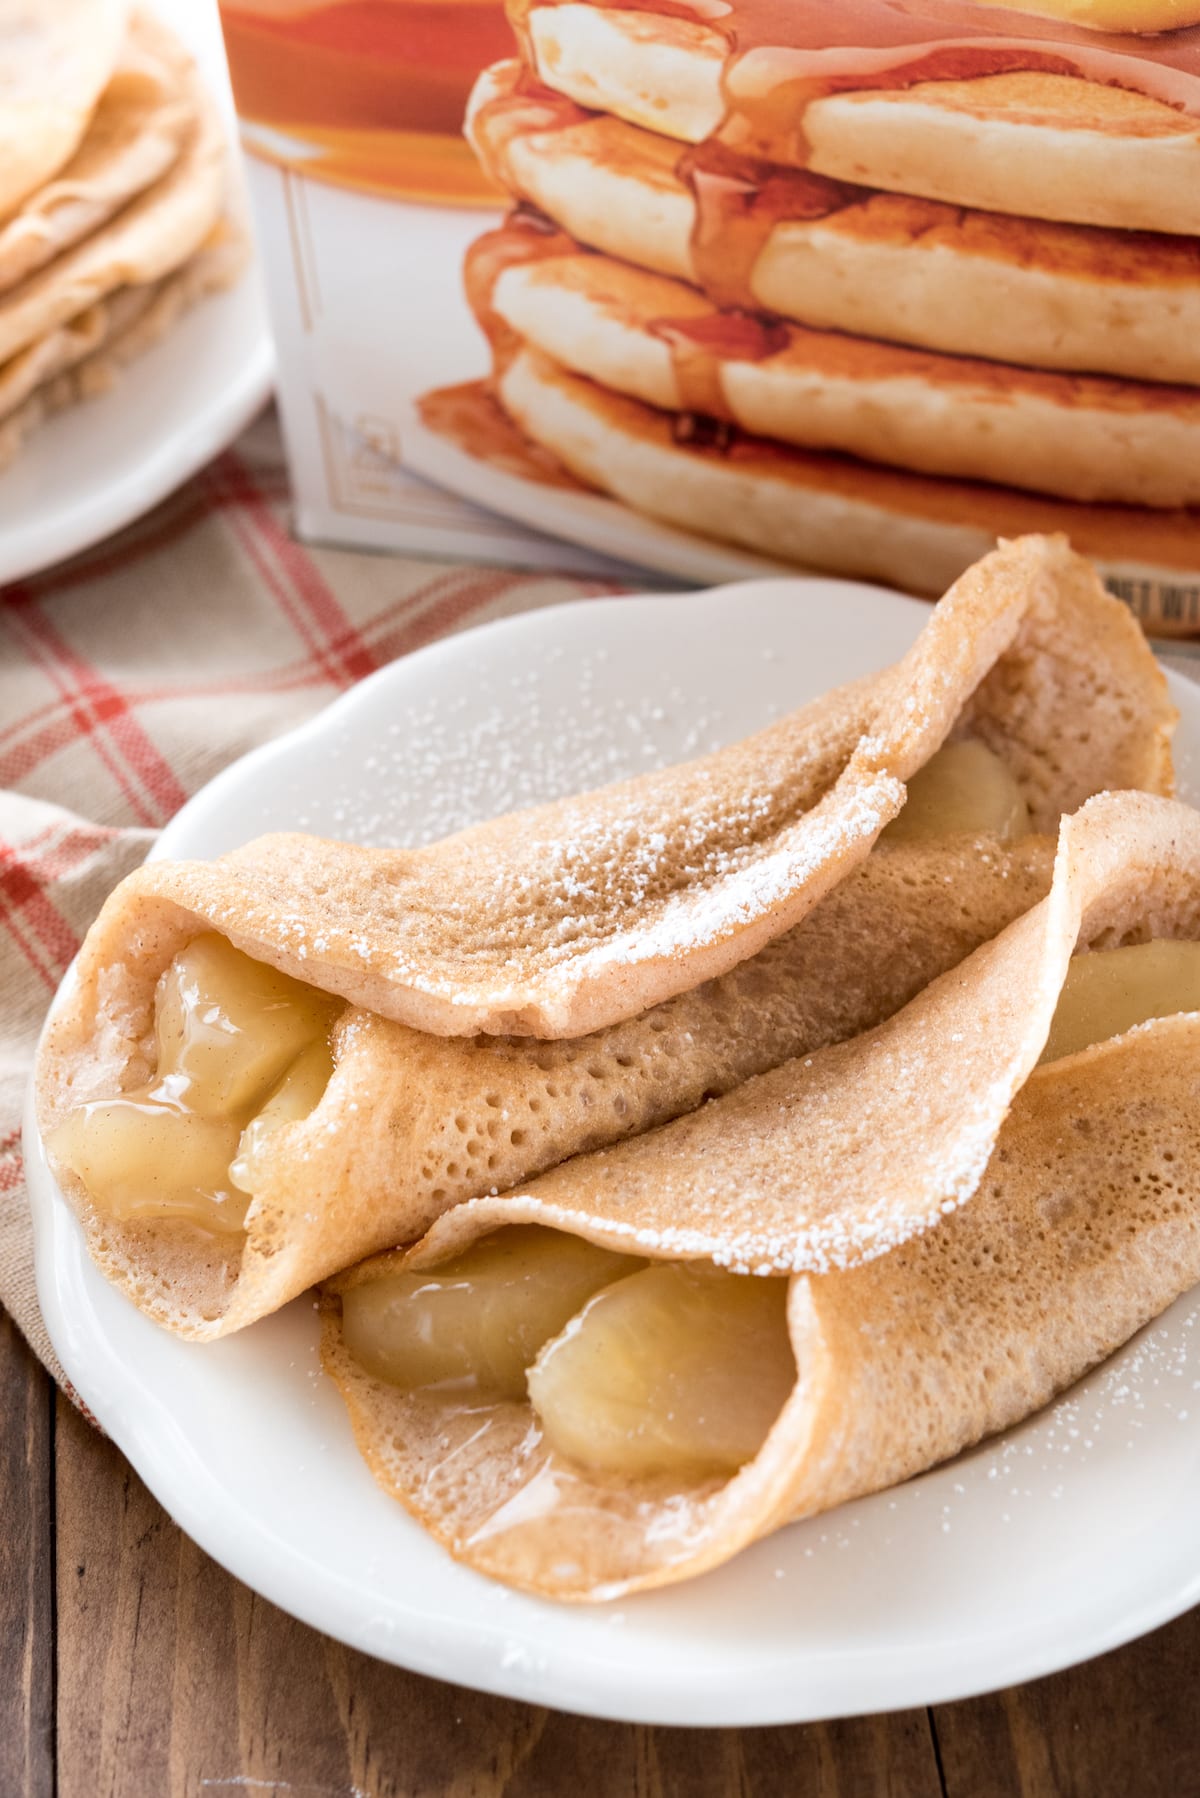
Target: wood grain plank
[[116, 1627], [26, 1572], [176, 1680], [1124, 1726]]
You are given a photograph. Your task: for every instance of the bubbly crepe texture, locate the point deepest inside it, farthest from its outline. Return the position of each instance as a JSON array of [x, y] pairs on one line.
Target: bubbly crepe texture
[[1079, 437], [411, 1124], [1066, 693], [877, 265], [1035, 144], [58, 57], [819, 509], [953, 1266], [133, 137], [146, 240], [564, 918]]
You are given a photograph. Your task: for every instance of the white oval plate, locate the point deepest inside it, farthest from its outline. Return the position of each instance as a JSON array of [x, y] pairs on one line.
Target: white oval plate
[[1061, 1539], [101, 464]]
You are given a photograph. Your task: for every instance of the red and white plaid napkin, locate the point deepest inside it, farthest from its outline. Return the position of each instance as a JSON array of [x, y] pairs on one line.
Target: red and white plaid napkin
[[130, 675]]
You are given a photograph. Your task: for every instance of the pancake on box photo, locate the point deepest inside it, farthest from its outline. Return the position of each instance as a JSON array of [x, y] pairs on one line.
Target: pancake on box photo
[[858, 288]]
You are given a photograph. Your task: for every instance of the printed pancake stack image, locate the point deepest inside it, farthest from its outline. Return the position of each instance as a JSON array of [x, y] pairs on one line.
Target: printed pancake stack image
[[113, 200], [859, 287], [695, 1154]]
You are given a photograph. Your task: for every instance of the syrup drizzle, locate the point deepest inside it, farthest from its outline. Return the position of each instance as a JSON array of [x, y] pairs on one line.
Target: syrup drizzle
[[750, 174], [471, 417], [779, 52], [526, 236], [739, 200], [699, 347], [525, 106]]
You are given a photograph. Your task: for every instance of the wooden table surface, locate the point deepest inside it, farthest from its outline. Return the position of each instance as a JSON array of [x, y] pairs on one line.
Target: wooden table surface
[[134, 1667]]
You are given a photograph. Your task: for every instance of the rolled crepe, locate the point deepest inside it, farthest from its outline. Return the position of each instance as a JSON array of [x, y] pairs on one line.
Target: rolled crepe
[[966, 1233], [411, 1123], [568, 917]]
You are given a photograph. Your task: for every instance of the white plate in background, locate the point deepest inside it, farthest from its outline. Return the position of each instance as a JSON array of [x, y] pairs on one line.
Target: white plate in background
[[100, 464], [1063, 1538]]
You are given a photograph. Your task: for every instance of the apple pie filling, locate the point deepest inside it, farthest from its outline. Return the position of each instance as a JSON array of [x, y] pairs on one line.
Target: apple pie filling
[[631, 1367], [639, 1369], [1108, 991], [963, 790], [241, 1051]]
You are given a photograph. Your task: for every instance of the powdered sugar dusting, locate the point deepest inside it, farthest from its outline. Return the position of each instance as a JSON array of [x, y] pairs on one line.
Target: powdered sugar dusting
[[555, 729]]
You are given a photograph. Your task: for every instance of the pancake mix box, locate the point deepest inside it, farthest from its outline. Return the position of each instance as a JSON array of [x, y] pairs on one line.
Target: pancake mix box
[[724, 287]]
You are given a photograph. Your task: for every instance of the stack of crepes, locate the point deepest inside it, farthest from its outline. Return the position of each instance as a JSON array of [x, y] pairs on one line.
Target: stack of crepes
[[862, 286], [733, 1063], [113, 199]]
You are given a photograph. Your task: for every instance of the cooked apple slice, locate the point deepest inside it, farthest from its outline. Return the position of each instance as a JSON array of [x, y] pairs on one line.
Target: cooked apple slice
[[963, 790], [297, 1096], [478, 1321], [229, 1029], [143, 1160], [680, 1369], [229, 1025], [1108, 991]]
